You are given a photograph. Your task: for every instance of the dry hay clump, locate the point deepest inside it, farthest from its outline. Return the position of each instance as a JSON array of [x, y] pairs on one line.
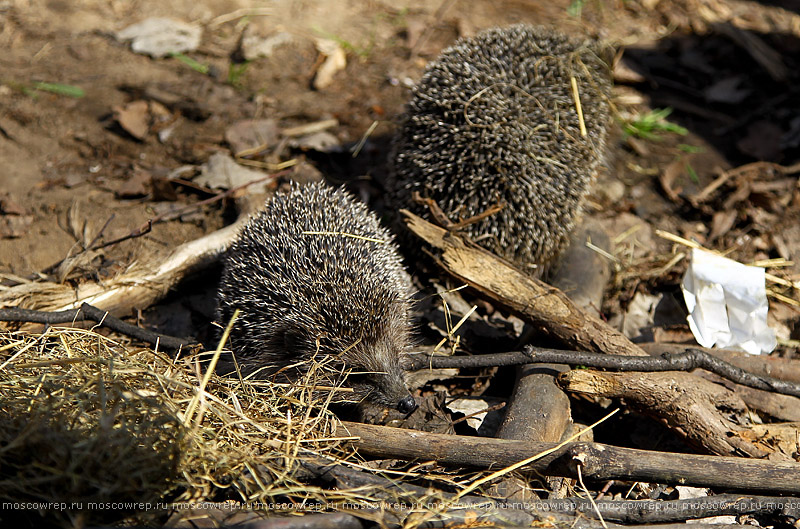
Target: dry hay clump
[[87, 421], [513, 117]]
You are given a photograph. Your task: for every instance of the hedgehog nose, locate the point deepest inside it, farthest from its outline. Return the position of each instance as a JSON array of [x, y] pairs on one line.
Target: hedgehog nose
[[407, 404]]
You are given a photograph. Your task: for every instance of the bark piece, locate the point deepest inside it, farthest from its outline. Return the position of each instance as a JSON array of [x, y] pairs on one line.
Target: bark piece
[[695, 408], [540, 303]]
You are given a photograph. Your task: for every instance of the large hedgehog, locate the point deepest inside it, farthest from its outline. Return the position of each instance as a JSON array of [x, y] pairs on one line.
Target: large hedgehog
[[495, 120], [315, 275]]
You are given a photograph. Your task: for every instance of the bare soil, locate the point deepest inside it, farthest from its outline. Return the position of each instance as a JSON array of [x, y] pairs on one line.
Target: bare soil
[[72, 176]]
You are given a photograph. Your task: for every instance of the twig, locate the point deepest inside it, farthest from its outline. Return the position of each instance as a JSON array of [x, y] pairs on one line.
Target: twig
[[168, 215], [437, 17], [138, 232], [684, 361], [363, 140], [442, 219], [101, 317], [100, 233], [479, 217], [439, 216], [707, 191]]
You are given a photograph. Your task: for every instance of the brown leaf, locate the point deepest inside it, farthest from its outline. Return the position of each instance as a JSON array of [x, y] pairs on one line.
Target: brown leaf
[[134, 118], [251, 134], [136, 186], [668, 177], [721, 223], [9, 207], [13, 226]]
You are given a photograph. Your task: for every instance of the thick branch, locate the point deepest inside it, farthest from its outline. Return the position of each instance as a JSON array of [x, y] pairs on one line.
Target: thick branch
[[623, 511], [600, 462], [538, 302], [701, 411]]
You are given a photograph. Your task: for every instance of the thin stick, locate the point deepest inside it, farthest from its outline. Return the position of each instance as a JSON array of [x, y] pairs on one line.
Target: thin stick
[[101, 317], [363, 140], [531, 459], [685, 361], [207, 376], [344, 234], [576, 96], [168, 215]]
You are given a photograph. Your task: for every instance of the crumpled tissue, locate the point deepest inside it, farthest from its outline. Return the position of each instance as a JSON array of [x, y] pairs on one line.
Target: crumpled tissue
[[727, 304]]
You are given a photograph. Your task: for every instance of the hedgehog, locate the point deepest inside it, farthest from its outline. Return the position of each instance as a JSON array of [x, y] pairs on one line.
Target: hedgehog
[[315, 275], [495, 121]]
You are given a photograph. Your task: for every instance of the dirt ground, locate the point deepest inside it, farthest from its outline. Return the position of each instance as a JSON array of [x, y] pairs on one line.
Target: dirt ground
[[73, 177]]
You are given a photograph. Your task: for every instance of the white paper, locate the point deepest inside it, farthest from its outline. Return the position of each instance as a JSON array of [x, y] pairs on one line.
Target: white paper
[[727, 304]]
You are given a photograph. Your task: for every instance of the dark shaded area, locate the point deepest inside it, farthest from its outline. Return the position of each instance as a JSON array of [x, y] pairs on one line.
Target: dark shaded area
[[790, 5], [737, 89], [629, 429]]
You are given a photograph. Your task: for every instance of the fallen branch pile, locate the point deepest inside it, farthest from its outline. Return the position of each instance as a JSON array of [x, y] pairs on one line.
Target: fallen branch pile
[[105, 421]]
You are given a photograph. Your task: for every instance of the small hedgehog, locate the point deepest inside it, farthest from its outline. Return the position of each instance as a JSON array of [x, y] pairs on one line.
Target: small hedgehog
[[495, 120], [314, 274]]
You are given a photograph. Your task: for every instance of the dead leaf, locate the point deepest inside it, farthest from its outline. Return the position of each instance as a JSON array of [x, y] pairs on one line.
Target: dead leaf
[[727, 91], [668, 177], [160, 117], [623, 73], [763, 141], [73, 180], [640, 315], [136, 186], [475, 409], [159, 37], [673, 334], [14, 226], [222, 172], [250, 134], [9, 207], [134, 118], [162, 189], [335, 60], [254, 46], [721, 223], [305, 173], [322, 141]]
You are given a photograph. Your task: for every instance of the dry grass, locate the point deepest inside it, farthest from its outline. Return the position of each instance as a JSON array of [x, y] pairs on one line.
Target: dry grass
[[86, 419]]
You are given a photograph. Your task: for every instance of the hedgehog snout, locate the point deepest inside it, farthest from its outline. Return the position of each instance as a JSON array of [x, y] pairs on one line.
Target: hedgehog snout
[[407, 404], [386, 389], [394, 393]]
